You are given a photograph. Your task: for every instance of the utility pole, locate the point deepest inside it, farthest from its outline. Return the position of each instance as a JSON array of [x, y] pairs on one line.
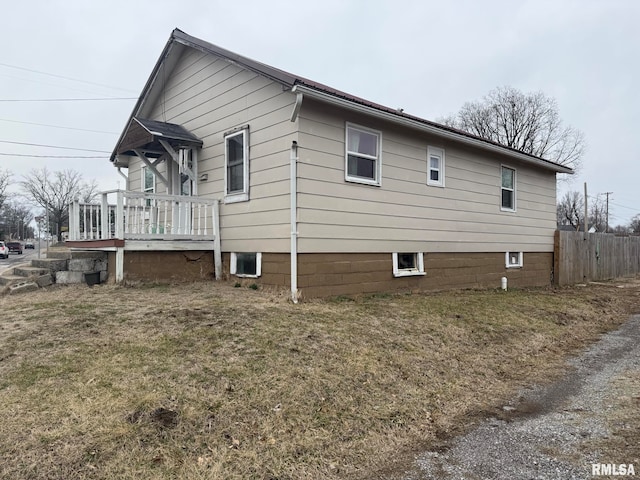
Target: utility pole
[[586, 216], [606, 228]]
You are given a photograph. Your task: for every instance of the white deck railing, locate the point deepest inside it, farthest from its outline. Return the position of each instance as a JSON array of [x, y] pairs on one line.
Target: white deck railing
[[144, 216]]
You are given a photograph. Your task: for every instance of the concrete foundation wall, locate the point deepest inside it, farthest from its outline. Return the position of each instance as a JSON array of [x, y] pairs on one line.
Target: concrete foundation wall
[[165, 266], [327, 274]]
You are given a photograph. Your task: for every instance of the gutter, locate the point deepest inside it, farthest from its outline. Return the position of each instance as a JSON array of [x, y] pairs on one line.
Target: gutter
[[433, 130], [294, 221]]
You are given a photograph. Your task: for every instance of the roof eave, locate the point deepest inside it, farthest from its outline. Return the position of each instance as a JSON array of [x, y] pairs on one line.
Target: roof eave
[[428, 128], [144, 95]]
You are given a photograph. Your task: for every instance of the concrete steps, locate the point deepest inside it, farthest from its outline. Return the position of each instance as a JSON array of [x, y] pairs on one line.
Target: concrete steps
[[29, 271], [50, 264], [61, 266], [10, 278], [26, 278]]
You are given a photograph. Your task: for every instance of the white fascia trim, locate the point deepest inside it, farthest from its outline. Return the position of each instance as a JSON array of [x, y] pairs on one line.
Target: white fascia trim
[[408, 122]]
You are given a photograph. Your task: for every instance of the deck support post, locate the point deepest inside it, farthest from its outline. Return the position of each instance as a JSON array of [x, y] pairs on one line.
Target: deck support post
[[119, 264], [217, 254]]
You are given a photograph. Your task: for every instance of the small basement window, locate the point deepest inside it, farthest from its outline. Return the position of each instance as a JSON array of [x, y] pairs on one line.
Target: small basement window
[[246, 264], [513, 259], [407, 264]]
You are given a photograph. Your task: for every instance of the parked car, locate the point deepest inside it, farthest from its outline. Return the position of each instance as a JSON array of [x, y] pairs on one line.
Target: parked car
[[29, 245], [15, 247], [4, 251]]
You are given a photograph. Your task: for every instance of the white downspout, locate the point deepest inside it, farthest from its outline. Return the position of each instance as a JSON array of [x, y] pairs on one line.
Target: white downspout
[[294, 221], [126, 179]]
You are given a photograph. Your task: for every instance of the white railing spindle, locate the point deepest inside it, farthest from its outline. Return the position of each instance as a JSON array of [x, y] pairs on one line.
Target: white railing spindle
[[136, 215]]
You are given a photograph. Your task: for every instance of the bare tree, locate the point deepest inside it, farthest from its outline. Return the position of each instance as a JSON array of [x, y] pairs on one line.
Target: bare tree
[[620, 229], [5, 178], [598, 214], [635, 223], [570, 210], [54, 191], [17, 218], [526, 122]]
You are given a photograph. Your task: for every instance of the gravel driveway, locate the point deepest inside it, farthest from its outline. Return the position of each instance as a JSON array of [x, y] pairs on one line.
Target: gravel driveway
[[547, 433]]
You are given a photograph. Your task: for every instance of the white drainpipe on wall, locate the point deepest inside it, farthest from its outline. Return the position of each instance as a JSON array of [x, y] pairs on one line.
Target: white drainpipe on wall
[[126, 179], [294, 221]]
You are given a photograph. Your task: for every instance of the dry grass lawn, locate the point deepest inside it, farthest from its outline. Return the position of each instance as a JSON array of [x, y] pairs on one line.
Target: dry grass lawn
[[209, 381]]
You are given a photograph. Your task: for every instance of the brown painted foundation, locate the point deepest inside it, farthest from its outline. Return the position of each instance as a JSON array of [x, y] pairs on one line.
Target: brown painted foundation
[[183, 266], [329, 274]]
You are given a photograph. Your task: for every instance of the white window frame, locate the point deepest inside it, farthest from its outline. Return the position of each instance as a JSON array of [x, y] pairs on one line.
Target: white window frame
[[239, 196], [509, 264], [377, 181], [514, 189], [409, 272], [234, 265], [143, 186], [438, 153]]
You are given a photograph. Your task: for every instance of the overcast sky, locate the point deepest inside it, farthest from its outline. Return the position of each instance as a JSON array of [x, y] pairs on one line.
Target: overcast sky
[[428, 57]]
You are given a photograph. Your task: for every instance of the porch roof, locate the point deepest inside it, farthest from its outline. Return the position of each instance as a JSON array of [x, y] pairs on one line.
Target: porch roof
[[145, 135]]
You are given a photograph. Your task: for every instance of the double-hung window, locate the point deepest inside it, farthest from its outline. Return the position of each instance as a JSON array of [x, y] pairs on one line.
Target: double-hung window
[[435, 166], [508, 189], [236, 172], [148, 183], [362, 157]]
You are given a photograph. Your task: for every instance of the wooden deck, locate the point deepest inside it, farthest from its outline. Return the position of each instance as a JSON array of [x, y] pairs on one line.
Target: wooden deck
[[134, 221]]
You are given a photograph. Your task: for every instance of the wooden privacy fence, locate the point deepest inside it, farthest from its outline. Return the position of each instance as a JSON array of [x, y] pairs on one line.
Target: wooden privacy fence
[[582, 257]]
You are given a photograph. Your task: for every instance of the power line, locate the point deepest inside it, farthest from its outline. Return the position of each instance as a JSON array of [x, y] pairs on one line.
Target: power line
[[65, 78], [65, 99], [53, 146], [55, 85], [623, 206], [57, 126], [51, 156]]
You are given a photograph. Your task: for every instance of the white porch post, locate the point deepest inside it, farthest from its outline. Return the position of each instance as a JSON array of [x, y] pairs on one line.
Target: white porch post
[[105, 227], [120, 215], [74, 225]]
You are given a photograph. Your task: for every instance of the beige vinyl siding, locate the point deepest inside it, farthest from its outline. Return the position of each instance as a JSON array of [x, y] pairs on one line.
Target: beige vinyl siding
[[210, 96], [404, 213]]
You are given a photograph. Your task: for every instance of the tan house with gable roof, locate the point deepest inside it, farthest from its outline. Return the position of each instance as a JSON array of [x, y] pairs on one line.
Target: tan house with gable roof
[[315, 189]]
